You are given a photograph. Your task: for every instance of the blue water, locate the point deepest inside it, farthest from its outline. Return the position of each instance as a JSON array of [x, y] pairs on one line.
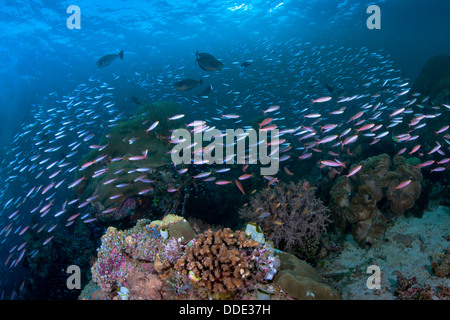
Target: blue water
[[44, 65]]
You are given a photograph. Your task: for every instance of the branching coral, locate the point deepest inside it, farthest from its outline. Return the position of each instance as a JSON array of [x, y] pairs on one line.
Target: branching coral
[[356, 201], [291, 216], [220, 261]]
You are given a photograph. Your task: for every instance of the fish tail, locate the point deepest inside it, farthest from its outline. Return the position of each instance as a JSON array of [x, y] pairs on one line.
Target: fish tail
[[121, 54]]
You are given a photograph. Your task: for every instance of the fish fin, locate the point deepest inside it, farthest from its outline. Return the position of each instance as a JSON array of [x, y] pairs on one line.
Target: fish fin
[[201, 81], [121, 54]]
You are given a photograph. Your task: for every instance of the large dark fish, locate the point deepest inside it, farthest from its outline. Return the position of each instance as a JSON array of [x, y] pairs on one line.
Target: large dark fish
[[187, 84], [106, 60], [207, 62]]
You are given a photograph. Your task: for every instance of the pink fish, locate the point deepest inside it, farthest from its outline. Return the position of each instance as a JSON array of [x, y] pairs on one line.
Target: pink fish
[[176, 117], [330, 163], [366, 127], [145, 191], [357, 115], [87, 165], [415, 149], [73, 217], [230, 116], [271, 109], [321, 99], [327, 139], [401, 152], [265, 122], [223, 182], [403, 184], [435, 149], [444, 161], [153, 126], [437, 169], [313, 115], [23, 230], [48, 240], [47, 188], [245, 176], [396, 112], [44, 208], [349, 140], [137, 158], [239, 185], [305, 156], [110, 210], [425, 164], [76, 182], [445, 128], [288, 171], [328, 127], [354, 171], [201, 175]]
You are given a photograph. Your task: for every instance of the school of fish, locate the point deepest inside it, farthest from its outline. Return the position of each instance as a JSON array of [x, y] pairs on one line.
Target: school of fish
[[322, 99]]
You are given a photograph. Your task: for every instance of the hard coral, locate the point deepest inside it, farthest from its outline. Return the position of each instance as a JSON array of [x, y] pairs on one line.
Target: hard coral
[[291, 216], [218, 261], [357, 201]]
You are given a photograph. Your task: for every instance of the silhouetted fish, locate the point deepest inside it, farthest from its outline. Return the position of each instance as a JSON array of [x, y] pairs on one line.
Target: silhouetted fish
[[106, 60], [207, 62], [187, 84], [246, 64]]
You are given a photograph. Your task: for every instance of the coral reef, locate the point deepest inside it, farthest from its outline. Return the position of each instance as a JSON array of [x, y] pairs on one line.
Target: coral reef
[[291, 216], [138, 263], [361, 202]]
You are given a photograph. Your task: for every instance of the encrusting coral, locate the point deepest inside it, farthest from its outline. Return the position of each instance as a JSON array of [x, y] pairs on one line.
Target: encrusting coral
[[356, 201], [291, 216]]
